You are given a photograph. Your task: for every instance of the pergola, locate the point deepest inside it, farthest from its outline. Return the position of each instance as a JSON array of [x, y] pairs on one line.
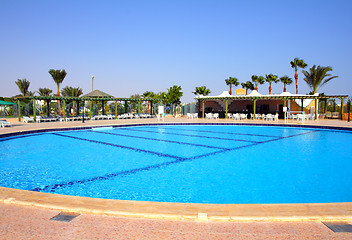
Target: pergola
[[83, 99], [284, 98]]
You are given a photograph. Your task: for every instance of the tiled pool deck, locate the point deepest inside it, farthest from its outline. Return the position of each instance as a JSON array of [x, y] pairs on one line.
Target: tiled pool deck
[[26, 215]]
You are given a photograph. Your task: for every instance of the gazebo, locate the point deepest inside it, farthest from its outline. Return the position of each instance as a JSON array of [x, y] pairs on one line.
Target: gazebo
[[98, 95]]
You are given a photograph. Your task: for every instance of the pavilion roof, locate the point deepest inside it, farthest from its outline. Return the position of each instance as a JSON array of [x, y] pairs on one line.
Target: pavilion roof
[[98, 94]]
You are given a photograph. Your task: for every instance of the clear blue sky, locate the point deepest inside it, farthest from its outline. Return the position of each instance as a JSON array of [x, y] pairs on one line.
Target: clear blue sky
[[134, 46]]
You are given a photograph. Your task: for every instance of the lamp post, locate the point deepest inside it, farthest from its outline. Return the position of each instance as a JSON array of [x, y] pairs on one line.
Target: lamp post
[[92, 82], [84, 102], [348, 108]]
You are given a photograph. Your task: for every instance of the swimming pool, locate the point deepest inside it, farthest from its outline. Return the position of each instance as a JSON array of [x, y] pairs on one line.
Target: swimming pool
[[184, 163]]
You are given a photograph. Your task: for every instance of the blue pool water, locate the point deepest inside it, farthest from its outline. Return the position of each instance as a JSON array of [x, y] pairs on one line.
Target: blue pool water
[[184, 163]]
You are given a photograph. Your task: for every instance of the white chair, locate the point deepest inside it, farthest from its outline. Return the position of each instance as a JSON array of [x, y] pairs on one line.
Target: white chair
[[189, 116], [276, 117], [236, 116], [208, 115], [38, 119], [258, 116], [311, 116], [5, 123], [292, 116], [216, 116], [243, 116], [302, 117], [229, 116], [195, 115]]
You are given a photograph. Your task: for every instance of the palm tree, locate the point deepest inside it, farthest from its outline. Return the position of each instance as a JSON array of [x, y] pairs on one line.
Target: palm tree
[[23, 85], [257, 80], [231, 81], [202, 91], [72, 92], [286, 80], [58, 77], [45, 92], [317, 77], [248, 85], [295, 64], [271, 78], [174, 94]]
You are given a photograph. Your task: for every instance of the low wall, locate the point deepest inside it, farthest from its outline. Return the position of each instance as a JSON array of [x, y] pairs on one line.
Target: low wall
[[345, 116]]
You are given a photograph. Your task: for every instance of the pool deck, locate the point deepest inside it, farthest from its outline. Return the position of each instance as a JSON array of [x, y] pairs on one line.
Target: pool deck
[[26, 215]]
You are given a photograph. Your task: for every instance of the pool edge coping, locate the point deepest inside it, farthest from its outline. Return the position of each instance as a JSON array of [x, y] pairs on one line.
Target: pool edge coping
[[178, 211]]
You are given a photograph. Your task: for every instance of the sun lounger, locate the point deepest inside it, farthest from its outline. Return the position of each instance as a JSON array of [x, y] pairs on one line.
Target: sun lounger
[[4, 123], [50, 119], [28, 119], [268, 117]]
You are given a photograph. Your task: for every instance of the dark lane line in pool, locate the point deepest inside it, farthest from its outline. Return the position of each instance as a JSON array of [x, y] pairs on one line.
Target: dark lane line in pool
[[52, 188], [120, 146], [290, 136], [250, 145], [231, 133], [160, 140], [21, 136], [188, 135]]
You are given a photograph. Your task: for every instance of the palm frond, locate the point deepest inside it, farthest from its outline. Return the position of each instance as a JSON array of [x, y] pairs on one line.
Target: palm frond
[[317, 77]]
